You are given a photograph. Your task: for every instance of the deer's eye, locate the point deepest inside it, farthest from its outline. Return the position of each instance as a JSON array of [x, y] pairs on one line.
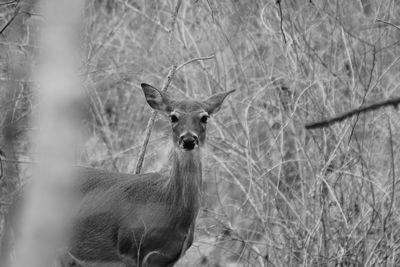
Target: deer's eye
[[173, 118], [204, 119]]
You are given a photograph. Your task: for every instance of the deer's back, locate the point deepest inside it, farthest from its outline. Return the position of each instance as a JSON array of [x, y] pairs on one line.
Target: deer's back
[[90, 179]]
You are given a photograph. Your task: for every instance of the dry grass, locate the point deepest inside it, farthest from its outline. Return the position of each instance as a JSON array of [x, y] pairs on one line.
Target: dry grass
[[274, 193]]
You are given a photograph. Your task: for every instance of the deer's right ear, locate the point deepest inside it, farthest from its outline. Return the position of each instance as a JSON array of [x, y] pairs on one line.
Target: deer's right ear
[[156, 99]]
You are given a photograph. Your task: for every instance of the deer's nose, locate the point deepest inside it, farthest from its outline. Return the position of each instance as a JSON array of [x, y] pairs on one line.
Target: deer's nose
[[188, 140]]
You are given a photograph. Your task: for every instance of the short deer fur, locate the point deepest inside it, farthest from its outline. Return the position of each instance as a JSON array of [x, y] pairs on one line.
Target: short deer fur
[[147, 219]]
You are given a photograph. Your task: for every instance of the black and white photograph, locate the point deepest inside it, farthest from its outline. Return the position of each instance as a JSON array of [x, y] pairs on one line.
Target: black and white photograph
[[191, 133]]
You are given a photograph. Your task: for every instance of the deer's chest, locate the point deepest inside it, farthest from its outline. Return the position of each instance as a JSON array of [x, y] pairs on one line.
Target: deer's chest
[[160, 246], [160, 236]]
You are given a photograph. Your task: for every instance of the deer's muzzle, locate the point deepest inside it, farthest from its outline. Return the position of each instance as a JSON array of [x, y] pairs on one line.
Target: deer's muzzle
[[188, 141]]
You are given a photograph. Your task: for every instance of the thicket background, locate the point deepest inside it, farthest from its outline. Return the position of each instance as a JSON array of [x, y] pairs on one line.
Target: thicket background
[[275, 194]]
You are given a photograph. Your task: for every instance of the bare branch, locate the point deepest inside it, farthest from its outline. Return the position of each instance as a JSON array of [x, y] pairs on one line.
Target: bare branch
[[278, 2], [324, 123], [194, 60], [9, 22], [389, 213], [131, 7], [388, 23], [8, 3], [23, 7], [1, 164], [174, 15]]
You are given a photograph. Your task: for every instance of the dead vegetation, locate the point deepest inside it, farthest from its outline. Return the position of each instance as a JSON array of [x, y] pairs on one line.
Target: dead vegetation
[[275, 194]]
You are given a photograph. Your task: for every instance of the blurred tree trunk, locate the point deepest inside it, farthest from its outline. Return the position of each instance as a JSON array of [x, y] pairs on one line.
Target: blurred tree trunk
[[45, 215]]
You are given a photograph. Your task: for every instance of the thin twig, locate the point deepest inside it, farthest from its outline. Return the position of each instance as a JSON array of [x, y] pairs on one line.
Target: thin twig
[[151, 121], [389, 213], [172, 46], [278, 2], [324, 123], [21, 8], [131, 7], [366, 91], [175, 15], [1, 164], [388, 23], [10, 21], [8, 3], [193, 60]]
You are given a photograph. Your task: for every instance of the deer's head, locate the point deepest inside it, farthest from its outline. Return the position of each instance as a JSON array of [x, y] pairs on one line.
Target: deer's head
[[188, 117]]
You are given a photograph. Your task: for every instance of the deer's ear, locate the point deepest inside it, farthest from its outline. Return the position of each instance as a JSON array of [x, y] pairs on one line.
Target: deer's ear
[[214, 102], [156, 99]]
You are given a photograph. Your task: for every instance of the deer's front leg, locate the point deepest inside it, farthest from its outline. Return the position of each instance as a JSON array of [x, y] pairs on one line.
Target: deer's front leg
[[127, 247]]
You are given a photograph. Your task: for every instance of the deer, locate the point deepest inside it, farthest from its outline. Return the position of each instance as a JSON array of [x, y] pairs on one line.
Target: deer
[[149, 219]]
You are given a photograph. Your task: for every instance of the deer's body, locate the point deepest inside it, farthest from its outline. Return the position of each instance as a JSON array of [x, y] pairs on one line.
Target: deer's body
[[147, 219], [138, 218]]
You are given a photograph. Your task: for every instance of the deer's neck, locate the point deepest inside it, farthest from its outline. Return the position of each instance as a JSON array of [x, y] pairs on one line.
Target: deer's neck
[[186, 179]]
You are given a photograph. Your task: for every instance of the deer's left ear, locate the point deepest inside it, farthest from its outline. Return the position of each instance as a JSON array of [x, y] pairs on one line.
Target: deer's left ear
[[214, 102], [158, 100]]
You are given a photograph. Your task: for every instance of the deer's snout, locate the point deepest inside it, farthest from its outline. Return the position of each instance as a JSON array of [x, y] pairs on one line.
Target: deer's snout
[[188, 141]]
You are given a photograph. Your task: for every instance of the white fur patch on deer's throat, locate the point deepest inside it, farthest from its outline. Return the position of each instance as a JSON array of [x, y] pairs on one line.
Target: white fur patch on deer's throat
[[187, 177]]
